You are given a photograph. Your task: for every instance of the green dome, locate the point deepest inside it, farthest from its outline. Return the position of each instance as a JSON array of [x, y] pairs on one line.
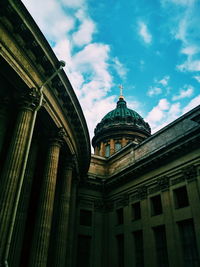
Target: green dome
[[122, 117], [121, 111]]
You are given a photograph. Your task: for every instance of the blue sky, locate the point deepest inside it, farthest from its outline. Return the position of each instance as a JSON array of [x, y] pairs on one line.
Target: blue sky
[[151, 47]]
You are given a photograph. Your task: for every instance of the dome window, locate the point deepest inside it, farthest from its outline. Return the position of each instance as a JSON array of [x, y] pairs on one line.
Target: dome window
[[117, 146], [107, 151]]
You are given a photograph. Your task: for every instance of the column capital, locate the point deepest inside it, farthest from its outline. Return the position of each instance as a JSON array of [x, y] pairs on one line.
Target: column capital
[[163, 183], [142, 192], [190, 172], [29, 99], [57, 136]]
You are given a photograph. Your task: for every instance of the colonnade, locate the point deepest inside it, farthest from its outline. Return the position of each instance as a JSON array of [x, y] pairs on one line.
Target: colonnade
[[34, 193]]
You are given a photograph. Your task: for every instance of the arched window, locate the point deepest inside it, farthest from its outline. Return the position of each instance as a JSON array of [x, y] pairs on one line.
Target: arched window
[[107, 150], [117, 146]]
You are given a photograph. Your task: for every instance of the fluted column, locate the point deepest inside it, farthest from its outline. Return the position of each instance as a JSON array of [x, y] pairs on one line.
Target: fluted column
[[124, 142], [17, 240], [102, 149], [40, 245], [3, 119], [72, 226], [60, 244], [11, 173], [112, 146], [96, 150]]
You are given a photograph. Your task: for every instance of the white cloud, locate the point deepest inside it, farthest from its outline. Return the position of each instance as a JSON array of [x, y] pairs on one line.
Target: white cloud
[[134, 104], [89, 74], [51, 18], [142, 65], [185, 28], [73, 3], [144, 32], [189, 65], [163, 104], [165, 112], [187, 92], [197, 77], [190, 50], [120, 68], [63, 50], [95, 110], [192, 104], [84, 34], [192, 63], [160, 86], [157, 113], [93, 62], [154, 91], [162, 114], [164, 81]]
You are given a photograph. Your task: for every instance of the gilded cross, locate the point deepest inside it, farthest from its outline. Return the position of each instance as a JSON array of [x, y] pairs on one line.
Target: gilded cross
[[121, 88]]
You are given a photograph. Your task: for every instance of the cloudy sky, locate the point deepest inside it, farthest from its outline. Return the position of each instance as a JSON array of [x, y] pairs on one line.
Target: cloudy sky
[[151, 47]]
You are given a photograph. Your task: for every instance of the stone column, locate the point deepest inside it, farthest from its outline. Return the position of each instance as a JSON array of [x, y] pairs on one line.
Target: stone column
[[71, 251], [11, 173], [18, 233], [102, 149], [96, 150], [172, 245], [124, 142], [3, 119], [40, 244], [148, 238], [112, 146], [60, 244]]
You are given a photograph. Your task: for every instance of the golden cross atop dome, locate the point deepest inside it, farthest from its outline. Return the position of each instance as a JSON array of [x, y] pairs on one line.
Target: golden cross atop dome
[[121, 91]]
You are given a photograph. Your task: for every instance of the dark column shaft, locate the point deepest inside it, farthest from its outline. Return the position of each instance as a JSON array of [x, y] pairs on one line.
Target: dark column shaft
[[39, 251], [19, 228], [12, 173], [60, 245]]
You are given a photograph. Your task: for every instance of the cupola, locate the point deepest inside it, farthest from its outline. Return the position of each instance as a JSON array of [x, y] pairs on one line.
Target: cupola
[[118, 128]]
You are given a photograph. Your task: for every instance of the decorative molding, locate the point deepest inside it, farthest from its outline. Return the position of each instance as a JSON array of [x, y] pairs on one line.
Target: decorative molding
[[84, 203], [154, 189], [125, 199], [190, 173], [142, 192], [134, 197], [163, 183], [57, 136], [177, 180], [99, 205], [29, 99]]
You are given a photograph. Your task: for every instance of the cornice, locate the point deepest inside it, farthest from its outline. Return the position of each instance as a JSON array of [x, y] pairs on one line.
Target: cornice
[[166, 154], [140, 192], [154, 160]]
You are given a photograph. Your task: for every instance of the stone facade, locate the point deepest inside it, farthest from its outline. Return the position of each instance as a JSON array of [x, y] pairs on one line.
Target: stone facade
[[144, 200]]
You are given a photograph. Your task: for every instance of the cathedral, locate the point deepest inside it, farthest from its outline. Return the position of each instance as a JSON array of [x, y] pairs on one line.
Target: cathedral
[[133, 203]]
